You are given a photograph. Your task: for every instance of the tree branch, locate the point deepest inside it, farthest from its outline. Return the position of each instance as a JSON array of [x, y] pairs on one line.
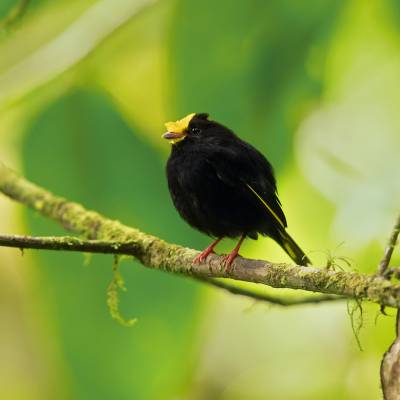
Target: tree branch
[[155, 253], [390, 367], [70, 243]]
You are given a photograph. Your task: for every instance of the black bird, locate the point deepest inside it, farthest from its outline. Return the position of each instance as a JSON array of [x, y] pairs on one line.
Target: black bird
[[224, 187]]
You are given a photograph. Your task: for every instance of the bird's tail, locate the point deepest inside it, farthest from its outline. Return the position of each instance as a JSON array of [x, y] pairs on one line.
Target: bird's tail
[[293, 249]]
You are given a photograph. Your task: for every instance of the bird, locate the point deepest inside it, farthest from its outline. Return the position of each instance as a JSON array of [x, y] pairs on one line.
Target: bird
[[224, 187]]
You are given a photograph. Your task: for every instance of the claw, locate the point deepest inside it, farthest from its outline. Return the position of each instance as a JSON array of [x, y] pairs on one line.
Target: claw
[[228, 260], [202, 256], [206, 252]]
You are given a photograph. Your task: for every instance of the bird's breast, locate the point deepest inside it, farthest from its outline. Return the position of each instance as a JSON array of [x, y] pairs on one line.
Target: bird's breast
[[205, 201]]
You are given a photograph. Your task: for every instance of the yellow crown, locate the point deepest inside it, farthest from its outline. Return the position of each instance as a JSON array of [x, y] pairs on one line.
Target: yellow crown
[[181, 125]]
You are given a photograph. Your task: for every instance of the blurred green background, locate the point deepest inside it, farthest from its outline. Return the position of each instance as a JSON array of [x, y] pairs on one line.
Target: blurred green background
[[85, 87]]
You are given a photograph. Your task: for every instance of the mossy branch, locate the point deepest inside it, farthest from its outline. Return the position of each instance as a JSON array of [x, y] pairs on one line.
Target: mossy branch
[[71, 243], [155, 253]]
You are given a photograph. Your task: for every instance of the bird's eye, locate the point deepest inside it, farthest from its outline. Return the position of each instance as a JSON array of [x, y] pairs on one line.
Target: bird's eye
[[195, 131]]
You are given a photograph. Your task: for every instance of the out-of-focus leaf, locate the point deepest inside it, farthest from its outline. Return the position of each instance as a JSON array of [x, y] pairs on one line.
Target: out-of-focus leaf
[[5, 7], [247, 64], [137, 78], [39, 26], [394, 11], [349, 148], [66, 49], [82, 149]]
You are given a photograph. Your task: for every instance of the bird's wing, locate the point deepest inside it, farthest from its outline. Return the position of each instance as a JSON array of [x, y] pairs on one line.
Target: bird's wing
[[249, 171], [270, 208]]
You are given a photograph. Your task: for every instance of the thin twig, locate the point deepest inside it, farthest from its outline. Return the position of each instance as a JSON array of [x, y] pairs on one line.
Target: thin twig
[[280, 301], [68, 243], [384, 264]]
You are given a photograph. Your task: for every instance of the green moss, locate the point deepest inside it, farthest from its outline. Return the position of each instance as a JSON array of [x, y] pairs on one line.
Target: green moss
[[155, 253], [355, 312], [115, 286]]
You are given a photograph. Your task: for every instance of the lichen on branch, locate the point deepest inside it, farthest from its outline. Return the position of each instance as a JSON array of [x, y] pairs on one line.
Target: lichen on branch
[[155, 253]]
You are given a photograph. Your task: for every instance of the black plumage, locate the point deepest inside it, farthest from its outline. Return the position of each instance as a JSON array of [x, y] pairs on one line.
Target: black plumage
[[223, 186]]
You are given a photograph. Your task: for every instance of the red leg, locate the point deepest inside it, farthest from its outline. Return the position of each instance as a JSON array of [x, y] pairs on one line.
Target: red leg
[[204, 254], [229, 258]]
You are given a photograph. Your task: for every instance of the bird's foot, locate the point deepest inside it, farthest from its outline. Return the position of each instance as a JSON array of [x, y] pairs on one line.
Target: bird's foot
[[228, 260], [202, 256], [206, 252]]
